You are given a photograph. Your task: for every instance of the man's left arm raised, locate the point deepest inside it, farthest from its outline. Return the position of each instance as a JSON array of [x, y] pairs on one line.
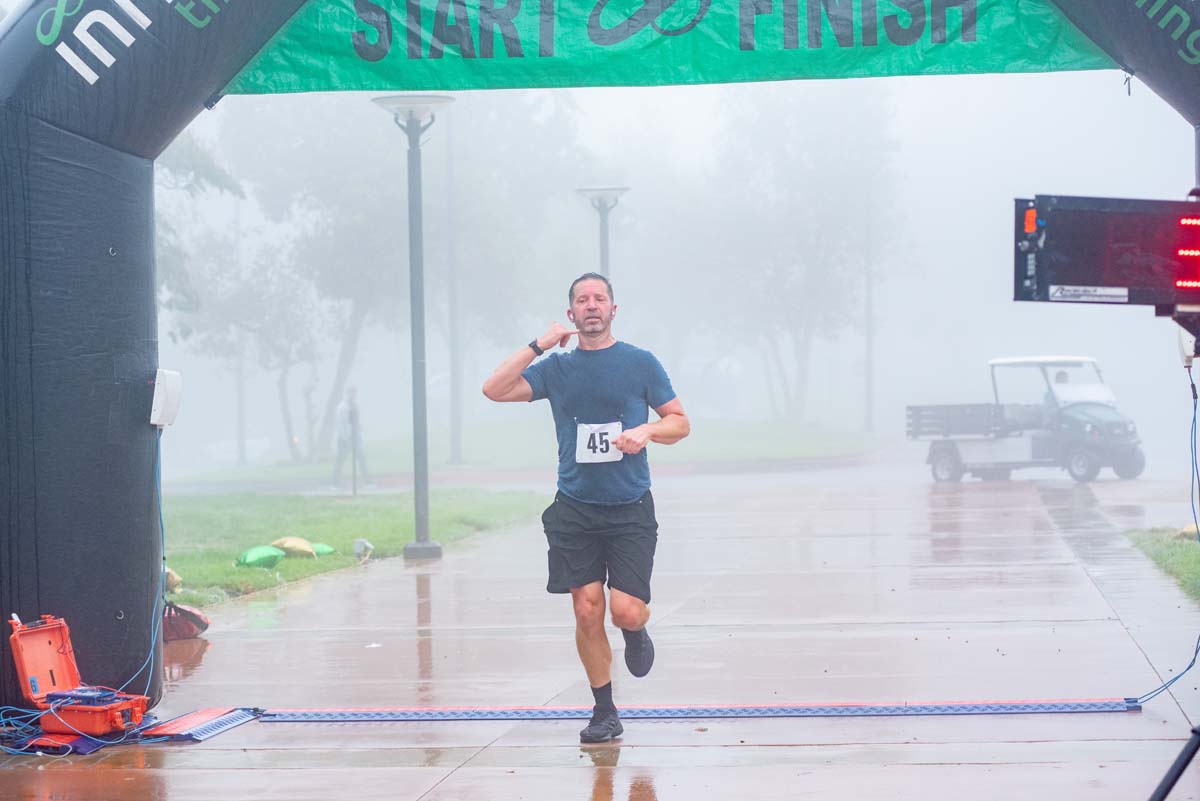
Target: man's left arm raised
[[672, 426]]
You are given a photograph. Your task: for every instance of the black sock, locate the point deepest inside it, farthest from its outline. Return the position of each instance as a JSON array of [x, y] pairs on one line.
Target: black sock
[[603, 696], [633, 636]]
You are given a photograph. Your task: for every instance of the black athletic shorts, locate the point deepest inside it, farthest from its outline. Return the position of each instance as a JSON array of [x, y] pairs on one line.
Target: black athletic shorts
[[591, 542]]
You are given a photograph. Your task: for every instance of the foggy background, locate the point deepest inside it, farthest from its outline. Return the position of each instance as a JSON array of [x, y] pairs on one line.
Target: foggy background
[[740, 257]]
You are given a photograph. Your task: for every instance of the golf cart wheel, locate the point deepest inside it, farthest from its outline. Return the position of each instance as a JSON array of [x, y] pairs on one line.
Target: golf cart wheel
[[996, 474], [1082, 465], [1131, 465], [946, 466]]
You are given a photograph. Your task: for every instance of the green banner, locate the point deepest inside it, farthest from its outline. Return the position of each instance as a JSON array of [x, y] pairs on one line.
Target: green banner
[[493, 44]]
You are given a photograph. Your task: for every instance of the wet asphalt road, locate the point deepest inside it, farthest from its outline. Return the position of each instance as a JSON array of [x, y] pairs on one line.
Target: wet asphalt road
[[784, 588]]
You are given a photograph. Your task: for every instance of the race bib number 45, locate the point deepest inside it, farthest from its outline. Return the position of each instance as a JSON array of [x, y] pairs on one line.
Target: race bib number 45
[[594, 443]]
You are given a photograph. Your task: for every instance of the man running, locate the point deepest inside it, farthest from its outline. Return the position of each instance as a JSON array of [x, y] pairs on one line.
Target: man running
[[601, 524]]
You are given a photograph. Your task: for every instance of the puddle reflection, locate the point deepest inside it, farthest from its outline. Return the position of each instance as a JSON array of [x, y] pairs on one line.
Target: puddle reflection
[[182, 658], [425, 638], [604, 759], [945, 523], [1128, 515], [66, 779], [966, 526]]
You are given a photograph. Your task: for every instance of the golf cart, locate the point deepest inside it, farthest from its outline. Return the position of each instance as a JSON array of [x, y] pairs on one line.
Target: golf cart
[[1049, 411]]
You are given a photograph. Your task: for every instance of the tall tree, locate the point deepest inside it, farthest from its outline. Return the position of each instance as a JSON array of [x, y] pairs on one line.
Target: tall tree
[[233, 284], [761, 245], [340, 158], [511, 156], [500, 228], [828, 166], [183, 174]]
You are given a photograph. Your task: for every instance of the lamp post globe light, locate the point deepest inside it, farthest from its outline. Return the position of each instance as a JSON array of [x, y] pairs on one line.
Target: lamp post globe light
[[603, 199], [414, 114]]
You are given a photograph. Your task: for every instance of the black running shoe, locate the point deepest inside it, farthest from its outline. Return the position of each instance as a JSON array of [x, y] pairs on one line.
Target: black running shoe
[[639, 652], [604, 726]]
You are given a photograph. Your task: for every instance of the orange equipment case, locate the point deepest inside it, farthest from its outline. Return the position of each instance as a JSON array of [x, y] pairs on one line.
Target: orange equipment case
[[46, 664]]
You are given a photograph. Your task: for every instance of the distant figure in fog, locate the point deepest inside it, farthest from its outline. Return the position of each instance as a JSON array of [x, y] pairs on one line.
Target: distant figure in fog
[[349, 437]]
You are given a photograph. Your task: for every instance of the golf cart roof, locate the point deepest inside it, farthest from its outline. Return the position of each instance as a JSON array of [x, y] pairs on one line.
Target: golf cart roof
[[1055, 361]]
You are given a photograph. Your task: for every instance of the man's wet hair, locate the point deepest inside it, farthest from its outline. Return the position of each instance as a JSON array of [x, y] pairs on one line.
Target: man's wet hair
[[588, 277]]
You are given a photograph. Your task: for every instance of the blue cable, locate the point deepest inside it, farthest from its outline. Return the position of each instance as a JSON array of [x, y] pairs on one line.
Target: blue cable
[[122, 739], [156, 612], [20, 724], [130, 736], [17, 752], [1195, 654], [1194, 485], [1195, 476], [23, 724], [19, 717]]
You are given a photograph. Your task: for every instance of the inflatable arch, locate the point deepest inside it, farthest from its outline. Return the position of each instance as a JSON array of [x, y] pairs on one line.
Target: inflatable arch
[[92, 91]]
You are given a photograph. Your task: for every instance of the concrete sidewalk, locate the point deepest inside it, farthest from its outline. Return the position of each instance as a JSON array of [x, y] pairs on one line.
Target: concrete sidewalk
[[768, 589]]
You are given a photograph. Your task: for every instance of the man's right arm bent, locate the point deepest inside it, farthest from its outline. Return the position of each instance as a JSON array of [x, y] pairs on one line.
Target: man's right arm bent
[[506, 384]]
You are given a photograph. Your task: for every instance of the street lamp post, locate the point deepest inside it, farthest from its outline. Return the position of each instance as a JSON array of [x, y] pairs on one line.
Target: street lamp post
[[452, 314], [414, 114], [603, 199], [869, 330]]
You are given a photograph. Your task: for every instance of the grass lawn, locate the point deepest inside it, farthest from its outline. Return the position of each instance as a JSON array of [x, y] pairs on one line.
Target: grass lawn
[[528, 443], [206, 533], [1178, 558]]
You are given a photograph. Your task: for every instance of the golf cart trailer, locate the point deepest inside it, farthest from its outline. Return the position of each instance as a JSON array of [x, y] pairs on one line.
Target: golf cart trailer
[[1048, 411]]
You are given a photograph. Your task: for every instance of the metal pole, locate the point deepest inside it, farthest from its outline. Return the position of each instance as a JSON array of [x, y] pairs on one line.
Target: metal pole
[[1197, 130], [240, 369], [422, 547], [1178, 767], [604, 209], [354, 449], [452, 302], [240, 381], [869, 312]]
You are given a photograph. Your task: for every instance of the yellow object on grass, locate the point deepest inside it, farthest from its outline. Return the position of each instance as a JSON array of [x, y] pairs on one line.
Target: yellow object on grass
[[295, 546]]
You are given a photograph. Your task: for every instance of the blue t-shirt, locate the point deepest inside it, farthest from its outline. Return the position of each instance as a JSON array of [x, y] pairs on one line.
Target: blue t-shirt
[[618, 383]]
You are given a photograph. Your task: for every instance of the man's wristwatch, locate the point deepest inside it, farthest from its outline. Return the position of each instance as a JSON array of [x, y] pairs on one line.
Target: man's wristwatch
[[534, 345]]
